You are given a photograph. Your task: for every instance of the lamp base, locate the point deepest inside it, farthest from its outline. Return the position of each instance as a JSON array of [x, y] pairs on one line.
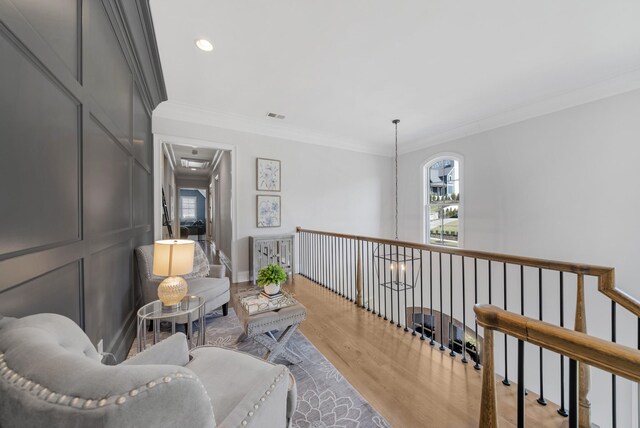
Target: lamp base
[[171, 291]]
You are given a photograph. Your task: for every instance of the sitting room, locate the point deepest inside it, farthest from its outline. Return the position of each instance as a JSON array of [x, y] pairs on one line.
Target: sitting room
[[319, 214]]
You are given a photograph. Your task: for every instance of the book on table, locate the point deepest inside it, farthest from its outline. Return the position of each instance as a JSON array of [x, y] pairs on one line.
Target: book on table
[[258, 303]]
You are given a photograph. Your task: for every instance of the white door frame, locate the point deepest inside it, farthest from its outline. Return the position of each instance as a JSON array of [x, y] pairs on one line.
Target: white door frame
[[158, 140]]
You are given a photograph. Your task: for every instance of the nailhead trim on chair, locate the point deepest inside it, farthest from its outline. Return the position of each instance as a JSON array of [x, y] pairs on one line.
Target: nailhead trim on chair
[[78, 402], [264, 397]]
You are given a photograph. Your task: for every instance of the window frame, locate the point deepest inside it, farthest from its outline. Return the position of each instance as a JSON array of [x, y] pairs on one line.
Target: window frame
[[426, 202], [195, 207]]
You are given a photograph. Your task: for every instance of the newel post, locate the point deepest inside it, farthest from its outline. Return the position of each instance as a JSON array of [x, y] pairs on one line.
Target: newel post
[[584, 375], [359, 274], [488, 404]]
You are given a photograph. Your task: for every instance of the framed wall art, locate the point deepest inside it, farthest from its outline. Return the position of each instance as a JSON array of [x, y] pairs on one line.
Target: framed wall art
[[267, 175], [268, 211]]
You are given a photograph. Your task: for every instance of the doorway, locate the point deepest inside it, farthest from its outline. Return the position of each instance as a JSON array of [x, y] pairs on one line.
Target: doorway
[[196, 178]]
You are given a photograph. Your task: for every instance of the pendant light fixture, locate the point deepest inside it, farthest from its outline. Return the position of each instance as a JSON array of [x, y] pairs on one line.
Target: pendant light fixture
[[396, 122], [394, 264]]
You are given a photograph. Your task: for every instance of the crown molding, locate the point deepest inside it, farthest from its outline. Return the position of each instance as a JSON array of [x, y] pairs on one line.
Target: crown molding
[[603, 89], [189, 113]]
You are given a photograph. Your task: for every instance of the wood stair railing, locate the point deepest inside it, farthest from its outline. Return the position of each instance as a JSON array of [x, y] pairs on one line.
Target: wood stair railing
[[325, 260], [579, 347]]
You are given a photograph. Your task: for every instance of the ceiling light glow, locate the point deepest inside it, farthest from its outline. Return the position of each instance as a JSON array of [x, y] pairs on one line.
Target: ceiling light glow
[[204, 44]]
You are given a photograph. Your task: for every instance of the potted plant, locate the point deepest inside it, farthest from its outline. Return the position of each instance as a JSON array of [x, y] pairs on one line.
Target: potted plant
[[270, 277]]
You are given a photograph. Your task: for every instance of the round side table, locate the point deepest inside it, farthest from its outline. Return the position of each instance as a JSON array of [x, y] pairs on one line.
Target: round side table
[[191, 308]]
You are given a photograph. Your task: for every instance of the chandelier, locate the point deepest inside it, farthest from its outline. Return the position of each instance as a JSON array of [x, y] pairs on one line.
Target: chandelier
[[395, 264]]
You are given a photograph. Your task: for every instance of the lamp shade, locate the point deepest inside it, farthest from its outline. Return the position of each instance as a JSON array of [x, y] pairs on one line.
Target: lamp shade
[[173, 257]]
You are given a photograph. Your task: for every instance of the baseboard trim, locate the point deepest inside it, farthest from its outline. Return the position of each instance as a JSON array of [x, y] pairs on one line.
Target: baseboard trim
[[244, 276], [120, 346]]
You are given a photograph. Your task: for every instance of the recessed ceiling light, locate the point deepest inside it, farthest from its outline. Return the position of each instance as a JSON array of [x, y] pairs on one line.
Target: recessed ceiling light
[[193, 169], [204, 44]]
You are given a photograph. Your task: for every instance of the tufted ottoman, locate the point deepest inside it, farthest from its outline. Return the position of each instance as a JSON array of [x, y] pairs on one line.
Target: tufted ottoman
[[261, 327]]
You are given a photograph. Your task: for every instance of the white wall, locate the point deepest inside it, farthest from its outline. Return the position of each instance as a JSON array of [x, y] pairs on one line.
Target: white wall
[[564, 186], [322, 188], [223, 171]]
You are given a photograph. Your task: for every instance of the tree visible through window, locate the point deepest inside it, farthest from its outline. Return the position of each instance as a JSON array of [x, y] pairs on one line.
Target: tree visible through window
[[442, 202], [188, 207]]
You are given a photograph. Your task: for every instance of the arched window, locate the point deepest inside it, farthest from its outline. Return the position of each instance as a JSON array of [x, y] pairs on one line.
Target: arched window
[[442, 185]]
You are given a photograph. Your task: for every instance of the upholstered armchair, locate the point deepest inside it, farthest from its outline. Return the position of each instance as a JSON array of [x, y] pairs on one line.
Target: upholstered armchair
[[51, 375], [207, 281]]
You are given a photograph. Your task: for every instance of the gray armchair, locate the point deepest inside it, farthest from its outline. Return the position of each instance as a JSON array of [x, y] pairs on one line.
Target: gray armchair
[[51, 375], [207, 281]]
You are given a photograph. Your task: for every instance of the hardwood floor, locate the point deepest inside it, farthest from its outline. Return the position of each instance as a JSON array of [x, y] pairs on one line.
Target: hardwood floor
[[411, 383]]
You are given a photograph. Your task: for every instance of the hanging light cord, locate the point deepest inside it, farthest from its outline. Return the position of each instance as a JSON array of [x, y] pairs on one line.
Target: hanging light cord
[[396, 121]]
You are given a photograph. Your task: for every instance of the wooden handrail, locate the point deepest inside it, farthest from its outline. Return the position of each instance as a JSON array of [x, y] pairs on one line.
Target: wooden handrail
[[605, 275], [608, 356]]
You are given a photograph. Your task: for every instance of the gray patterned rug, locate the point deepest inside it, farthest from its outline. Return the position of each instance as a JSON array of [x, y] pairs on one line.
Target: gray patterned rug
[[325, 398]]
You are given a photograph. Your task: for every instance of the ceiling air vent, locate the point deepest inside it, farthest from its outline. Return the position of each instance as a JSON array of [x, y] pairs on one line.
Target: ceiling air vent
[[275, 115]]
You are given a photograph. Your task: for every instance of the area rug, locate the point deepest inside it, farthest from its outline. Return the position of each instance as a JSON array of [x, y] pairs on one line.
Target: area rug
[[325, 398]]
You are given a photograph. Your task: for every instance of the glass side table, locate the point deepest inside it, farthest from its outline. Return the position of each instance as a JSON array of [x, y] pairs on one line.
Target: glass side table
[[191, 308]]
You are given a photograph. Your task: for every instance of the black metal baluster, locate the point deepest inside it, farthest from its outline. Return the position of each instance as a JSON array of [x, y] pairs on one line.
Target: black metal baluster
[[520, 384], [331, 254], [319, 263], [337, 284], [464, 316], [442, 348], [399, 274], [422, 305], [325, 254], [475, 299], [489, 273], [314, 258], [365, 268], [300, 259], [562, 411], [451, 351], [573, 393], [376, 277], [413, 296], [404, 274], [433, 322], [354, 276], [352, 280], [349, 247], [522, 304], [505, 381], [397, 286], [345, 285], [541, 399], [392, 272], [353, 256], [372, 293], [384, 277], [614, 410], [323, 260]]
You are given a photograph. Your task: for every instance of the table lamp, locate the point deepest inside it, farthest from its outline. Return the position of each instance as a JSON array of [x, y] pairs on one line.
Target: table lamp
[[173, 257]]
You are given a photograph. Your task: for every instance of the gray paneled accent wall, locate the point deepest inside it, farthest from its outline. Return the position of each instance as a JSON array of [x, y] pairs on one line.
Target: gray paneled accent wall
[[78, 82]]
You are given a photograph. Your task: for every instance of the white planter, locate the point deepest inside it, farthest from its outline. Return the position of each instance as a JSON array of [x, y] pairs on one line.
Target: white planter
[[272, 289]]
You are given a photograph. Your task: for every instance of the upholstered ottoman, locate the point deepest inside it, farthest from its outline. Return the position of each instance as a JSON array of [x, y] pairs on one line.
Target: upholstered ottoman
[[261, 327]]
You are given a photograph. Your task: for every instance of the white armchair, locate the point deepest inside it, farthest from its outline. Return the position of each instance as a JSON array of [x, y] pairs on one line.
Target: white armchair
[[206, 281], [51, 375]]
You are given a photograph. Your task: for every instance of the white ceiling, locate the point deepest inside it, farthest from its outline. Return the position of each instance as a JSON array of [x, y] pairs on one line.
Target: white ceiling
[[342, 70], [177, 152]]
